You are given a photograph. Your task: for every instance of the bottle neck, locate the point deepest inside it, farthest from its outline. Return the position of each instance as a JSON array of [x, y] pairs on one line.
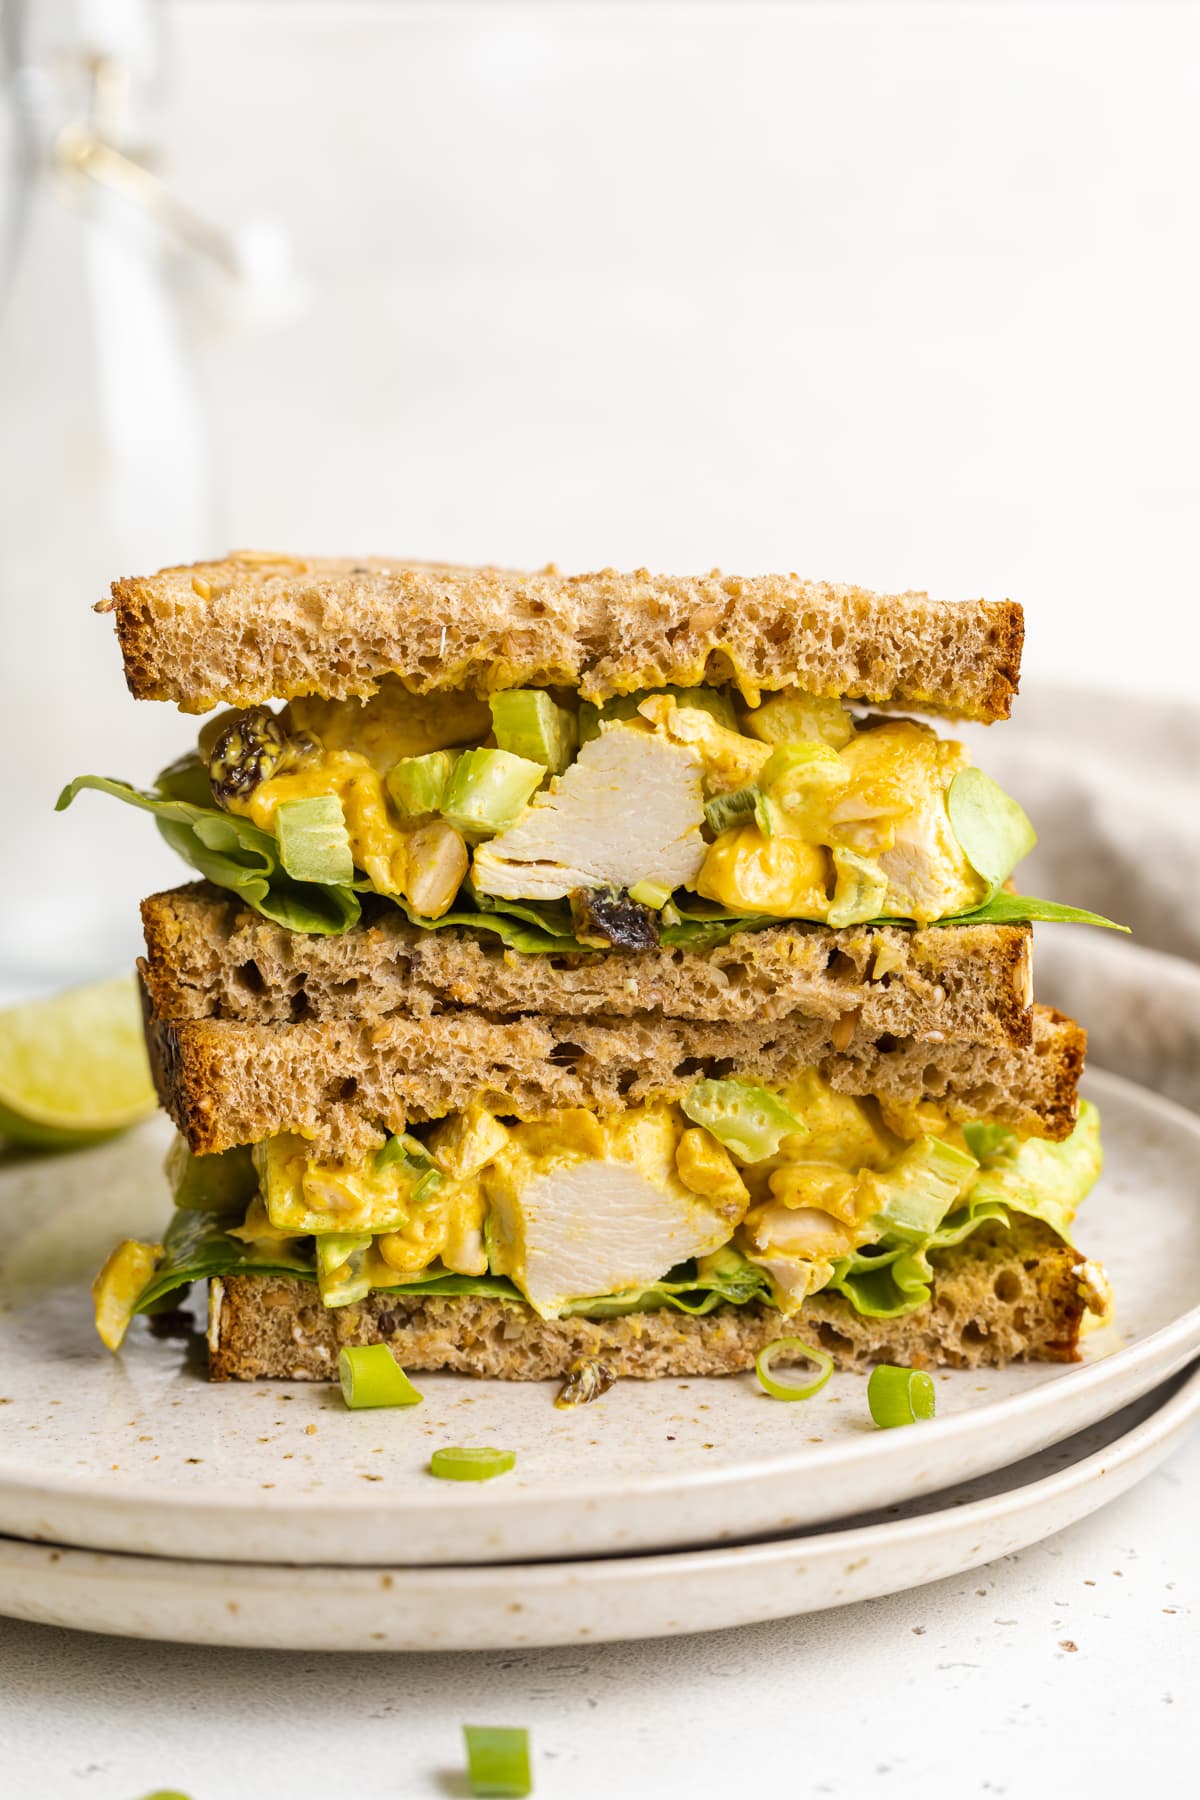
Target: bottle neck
[[92, 63]]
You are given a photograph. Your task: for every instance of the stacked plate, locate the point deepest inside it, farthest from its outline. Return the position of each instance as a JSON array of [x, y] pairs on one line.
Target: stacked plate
[[139, 1499]]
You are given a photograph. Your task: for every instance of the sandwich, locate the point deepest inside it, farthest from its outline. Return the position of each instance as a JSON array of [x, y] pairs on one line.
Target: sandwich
[[604, 971]]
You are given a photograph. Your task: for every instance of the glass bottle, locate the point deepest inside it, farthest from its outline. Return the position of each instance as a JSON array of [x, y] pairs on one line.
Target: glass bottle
[[103, 472]]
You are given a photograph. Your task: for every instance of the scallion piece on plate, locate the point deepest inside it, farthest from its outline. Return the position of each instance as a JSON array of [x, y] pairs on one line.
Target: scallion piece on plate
[[900, 1396], [457, 1464], [783, 1390], [498, 1759], [371, 1376]]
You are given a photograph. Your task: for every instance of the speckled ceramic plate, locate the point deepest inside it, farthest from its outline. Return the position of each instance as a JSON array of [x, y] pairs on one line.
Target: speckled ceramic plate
[[504, 1606], [140, 1454]]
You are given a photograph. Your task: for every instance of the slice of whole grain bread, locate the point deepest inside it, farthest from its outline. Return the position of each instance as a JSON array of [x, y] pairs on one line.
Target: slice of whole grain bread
[[210, 957], [343, 1084], [256, 626]]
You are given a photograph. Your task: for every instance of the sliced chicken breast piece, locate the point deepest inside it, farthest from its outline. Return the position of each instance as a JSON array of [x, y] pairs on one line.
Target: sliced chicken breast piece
[[628, 809], [599, 1227], [928, 875]]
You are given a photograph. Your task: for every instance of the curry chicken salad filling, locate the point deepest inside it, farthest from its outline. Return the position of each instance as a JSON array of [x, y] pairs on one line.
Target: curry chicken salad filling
[[672, 816], [740, 1194]]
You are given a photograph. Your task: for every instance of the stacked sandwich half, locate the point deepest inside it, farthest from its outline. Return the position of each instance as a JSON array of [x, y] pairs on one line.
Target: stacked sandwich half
[[595, 972]]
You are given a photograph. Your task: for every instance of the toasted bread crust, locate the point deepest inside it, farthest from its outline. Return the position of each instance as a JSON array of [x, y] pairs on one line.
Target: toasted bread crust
[[342, 1085], [210, 957], [1000, 1296], [253, 627]]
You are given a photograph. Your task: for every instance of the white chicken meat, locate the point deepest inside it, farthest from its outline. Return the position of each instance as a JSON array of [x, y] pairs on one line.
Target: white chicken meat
[[628, 809], [589, 1228]]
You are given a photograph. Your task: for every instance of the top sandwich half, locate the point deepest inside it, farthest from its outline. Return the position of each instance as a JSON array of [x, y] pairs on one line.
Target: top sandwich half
[[583, 763]]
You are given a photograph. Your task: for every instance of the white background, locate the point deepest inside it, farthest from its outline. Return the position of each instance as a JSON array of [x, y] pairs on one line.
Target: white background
[[903, 295]]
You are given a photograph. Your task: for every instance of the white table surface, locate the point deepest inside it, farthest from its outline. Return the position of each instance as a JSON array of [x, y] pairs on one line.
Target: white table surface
[[1069, 1667]]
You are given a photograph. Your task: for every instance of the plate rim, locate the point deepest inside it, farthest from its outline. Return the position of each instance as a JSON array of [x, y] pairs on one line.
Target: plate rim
[[1153, 1438]]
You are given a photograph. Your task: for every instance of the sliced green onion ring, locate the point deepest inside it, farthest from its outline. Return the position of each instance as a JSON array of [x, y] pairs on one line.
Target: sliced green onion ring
[[782, 1390], [459, 1464], [498, 1759], [900, 1396], [371, 1376]]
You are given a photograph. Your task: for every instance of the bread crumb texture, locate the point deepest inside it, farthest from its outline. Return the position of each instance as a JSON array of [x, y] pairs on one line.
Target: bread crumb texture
[[261, 625], [210, 957], [344, 1084]]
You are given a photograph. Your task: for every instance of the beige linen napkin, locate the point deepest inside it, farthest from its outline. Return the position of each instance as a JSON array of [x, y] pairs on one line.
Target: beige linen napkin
[[1112, 784]]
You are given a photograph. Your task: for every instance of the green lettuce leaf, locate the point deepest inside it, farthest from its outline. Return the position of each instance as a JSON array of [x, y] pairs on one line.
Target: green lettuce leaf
[[726, 1279], [992, 830], [1046, 1181], [197, 1245], [1024, 909], [234, 854], [522, 925], [888, 1279], [230, 852], [1042, 1180]]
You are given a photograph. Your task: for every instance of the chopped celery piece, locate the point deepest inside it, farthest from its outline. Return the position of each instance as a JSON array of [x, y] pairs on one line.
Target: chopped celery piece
[[371, 1376], [412, 1153], [746, 1119], [417, 785], [650, 893], [724, 810], [799, 718], [341, 1266], [860, 892], [498, 1761], [922, 1185], [986, 1142], [783, 1390], [459, 1464], [314, 844], [900, 1396], [221, 1182], [992, 830], [798, 774], [489, 790], [529, 723]]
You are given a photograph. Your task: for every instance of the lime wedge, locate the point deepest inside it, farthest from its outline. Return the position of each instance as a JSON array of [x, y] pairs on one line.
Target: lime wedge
[[74, 1068]]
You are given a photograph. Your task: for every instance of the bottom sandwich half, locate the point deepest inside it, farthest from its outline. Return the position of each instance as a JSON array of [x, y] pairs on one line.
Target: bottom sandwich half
[[1009, 1293], [666, 1233]]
